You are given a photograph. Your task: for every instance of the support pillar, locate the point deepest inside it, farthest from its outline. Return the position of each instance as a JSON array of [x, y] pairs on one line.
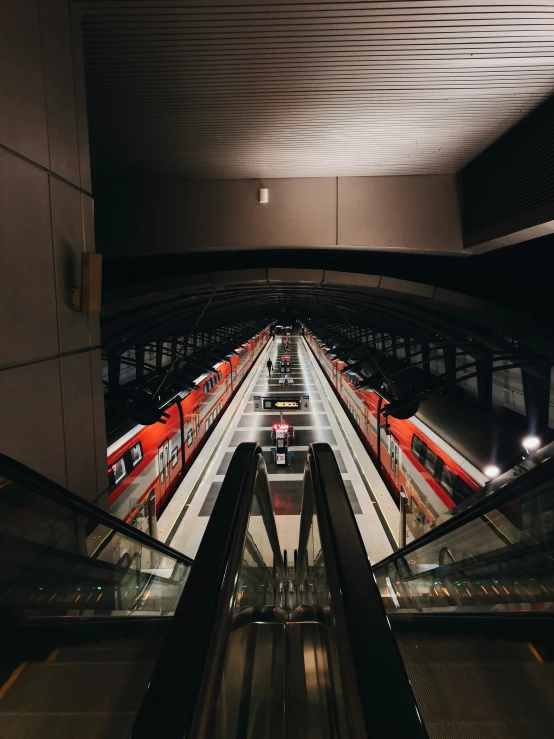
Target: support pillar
[[51, 395]]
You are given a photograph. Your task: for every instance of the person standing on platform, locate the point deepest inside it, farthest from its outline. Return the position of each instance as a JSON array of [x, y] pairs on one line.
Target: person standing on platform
[[269, 367]]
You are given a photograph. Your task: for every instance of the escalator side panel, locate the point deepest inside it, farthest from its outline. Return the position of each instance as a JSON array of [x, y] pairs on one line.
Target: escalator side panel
[[251, 700], [315, 707]]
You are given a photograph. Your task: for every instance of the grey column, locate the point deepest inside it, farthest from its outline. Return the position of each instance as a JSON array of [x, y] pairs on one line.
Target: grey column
[[51, 397]]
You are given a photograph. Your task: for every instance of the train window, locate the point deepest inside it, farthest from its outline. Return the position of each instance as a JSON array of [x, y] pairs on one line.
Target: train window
[[136, 454], [119, 470], [206, 388], [447, 480], [174, 456], [462, 491], [430, 462], [189, 437], [418, 448]]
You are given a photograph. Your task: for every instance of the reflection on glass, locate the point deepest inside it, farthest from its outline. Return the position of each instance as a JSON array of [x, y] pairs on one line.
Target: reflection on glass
[[501, 561], [56, 562], [311, 579]]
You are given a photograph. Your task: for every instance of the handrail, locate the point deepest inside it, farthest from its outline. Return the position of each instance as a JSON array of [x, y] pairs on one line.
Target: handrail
[[541, 473], [40, 485], [186, 681], [367, 648]]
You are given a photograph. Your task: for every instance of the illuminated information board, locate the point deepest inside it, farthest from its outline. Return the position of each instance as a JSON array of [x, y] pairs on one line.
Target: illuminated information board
[[282, 403]]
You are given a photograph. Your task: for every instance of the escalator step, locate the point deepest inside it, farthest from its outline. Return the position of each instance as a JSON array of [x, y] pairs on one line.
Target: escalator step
[[490, 729], [510, 694], [454, 654], [425, 638], [141, 641], [90, 725], [91, 655], [58, 688]]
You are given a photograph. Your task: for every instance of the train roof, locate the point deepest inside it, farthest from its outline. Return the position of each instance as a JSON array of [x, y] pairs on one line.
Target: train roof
[[482, 437]]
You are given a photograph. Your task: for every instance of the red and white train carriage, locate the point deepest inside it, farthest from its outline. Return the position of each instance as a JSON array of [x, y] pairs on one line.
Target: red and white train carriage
[[438, 457], [147, 464]]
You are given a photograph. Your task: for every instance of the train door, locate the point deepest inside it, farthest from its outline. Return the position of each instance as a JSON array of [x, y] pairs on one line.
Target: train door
[[196, 422], [367, 422], [163, 466], [394, 451]]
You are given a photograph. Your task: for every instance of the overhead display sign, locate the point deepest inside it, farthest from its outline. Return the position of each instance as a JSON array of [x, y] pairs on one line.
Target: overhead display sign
[[280, 403]]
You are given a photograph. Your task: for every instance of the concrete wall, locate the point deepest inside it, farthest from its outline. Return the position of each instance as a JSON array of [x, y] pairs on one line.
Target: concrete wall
[[51, 398], [417, 214]]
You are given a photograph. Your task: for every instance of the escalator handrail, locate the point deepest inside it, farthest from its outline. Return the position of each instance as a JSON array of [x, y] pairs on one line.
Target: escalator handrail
[[387, 700], [506, 494], [46, 488], [185, 685]]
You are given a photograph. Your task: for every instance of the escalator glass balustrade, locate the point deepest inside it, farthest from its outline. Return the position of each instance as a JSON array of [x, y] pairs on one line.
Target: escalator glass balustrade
[[63, 556], [85, 606], [498, 557]]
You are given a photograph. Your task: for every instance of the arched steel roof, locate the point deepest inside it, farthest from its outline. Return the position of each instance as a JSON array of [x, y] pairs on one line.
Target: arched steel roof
[[375, 301], [363, 318]]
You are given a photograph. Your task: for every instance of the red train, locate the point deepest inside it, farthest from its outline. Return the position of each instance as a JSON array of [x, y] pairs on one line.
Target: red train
[[437, 457], [147, 464]]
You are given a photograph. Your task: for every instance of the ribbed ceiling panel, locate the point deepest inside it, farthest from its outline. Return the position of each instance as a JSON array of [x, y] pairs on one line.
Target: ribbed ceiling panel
[[200, 90]]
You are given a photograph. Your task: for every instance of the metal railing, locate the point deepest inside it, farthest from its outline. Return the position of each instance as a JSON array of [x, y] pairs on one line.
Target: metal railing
[[36, 483]]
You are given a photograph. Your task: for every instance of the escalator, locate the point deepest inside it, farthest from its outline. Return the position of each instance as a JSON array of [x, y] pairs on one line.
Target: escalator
[[86, 602], [472, 607], [450, 636], [259, 648]]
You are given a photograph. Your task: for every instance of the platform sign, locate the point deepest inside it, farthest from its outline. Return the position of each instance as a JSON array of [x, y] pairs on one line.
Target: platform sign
[[281, 403], [305, 402]]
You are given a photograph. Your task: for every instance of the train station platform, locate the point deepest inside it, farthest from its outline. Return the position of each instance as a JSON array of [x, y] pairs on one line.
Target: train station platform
[[184, 521]]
